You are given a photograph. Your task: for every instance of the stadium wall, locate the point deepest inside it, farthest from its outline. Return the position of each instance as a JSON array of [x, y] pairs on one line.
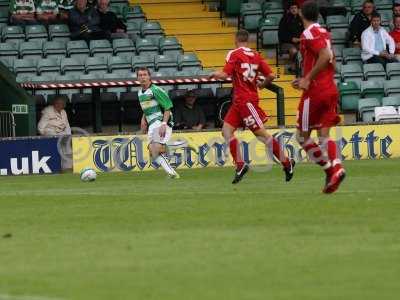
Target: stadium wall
[[206, 149]]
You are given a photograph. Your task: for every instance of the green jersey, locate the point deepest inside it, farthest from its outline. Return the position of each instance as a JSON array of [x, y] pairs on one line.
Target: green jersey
[[22, 6], [154, 101], [47, 7]]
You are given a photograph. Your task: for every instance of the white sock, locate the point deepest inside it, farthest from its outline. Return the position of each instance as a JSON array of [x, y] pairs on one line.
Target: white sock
[[163, 162]]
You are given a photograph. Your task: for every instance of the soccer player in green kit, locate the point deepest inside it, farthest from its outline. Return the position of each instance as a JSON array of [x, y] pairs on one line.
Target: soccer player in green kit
[[157, 119]]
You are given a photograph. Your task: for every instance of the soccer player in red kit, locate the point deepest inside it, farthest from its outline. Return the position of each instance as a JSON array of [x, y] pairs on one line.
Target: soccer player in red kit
[[245, 66], [318, 105]]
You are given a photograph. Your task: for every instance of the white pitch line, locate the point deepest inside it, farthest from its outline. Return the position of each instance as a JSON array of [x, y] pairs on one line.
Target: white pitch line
[[26, 297]]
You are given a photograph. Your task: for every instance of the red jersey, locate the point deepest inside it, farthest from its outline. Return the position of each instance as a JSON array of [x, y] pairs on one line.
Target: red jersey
[[312, 40], [244, 66], [395, 34]]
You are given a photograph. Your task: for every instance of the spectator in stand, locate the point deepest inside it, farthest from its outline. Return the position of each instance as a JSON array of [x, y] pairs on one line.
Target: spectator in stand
[[84, 23], [64, 6], [189, 115], [361, 21], [54, 120], [47, 11], [290, 29], [22, 12], [395, 34], [396, 9], [374, 41], [109, 21]]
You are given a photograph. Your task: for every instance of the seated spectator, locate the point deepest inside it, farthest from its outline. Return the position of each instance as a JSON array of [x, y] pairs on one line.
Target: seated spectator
[[189, 115], [374, 41], [395, 34], [47, 11], [290, 29], [22, 12], [109, 21], [64, 6], [54, 120], [84, 23], [361, 21]]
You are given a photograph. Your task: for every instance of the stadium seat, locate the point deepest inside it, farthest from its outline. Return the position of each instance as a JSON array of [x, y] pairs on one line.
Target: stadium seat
[[96, 65], [8, 62], [189, 62], [163, 62], [337, 21], [100, 48], [117, 64], [374, 72], [338, 50], [267, 28], [383, 4], [32, 49], [119, 9], [349, 95], [71, 65], [386, 113], [352, 72], [3, 16], [133, 28], [272, 8], [351, 55], [339, 36], [170, 46], [270, 39], [372, 89], [36, 32], [392, 88], [20, 78], [123, 46], [59, 32], [77, 49], [386, 17], [391, 101], [25, 66], [8, 50], [366, 109], [355, 5], [134, 12], [13, 33], [250, 15], [49, 67], [151, 28], [143, 60], [393, 70], [146, 46], [54, 49]]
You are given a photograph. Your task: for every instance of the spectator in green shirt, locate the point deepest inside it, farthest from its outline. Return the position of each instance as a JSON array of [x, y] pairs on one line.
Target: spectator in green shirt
[[22, 12], [47, 11]]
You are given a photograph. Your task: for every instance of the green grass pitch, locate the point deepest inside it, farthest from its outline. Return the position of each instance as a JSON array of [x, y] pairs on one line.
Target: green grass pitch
[[142, 236]]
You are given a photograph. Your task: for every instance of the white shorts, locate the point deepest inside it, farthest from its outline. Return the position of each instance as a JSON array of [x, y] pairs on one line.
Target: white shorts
[[153, 134]]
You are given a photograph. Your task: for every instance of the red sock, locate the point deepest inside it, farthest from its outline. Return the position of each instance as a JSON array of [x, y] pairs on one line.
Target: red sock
[[279, 154], [314, 152], [234, 147], [332, 154]]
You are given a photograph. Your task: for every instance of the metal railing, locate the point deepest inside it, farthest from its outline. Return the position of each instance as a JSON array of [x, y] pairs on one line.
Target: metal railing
[[7, 124]]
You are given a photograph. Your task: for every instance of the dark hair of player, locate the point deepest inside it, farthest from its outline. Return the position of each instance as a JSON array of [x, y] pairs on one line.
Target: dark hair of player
[[310, 11], [375, 15], [143, 69], [242, 36]]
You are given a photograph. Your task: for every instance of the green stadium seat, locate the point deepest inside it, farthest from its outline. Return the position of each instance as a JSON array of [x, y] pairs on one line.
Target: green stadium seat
[[232, 7], [96, 65], [337, 21], [8, 50], [119, 9], [146, 46], [386, 17], [349, 95], [189, 62], [36, 32], [123, 45], [250, 7], [165, 62], [267, 31], [77, 49], [71, 65], [133, 28], [25, 66], [351, 55], [339, 36], [338, 50], [356, 5], [352, 72], [8, 62], [372, 89], [100, 48], [393, 70], [32, 49], [272, 8], [151, 28], [3, 16], [54, 49], [143, 60], [134, 12], [170, 46], [49, 66], [383, 4], [13, 33], [250, 19], [392, 88], [118, 64], [366, 109], [59, 32], [391, 101], [24, 77], [270, 39], [374, 72]]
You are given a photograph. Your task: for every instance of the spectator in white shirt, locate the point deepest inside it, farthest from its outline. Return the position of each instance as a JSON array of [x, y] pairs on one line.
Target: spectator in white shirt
[[374, 42], [54, 120]]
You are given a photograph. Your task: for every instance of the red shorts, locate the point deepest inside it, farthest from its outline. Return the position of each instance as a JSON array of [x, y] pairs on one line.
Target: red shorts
[[246, 114], [318, 110]]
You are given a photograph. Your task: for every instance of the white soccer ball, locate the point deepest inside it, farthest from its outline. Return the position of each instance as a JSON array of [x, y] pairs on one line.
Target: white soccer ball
[[88, 174]]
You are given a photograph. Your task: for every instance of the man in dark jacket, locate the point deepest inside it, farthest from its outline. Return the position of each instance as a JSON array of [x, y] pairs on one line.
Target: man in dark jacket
[[290, 29], [361, 21], [109, 21], [84, 23]]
